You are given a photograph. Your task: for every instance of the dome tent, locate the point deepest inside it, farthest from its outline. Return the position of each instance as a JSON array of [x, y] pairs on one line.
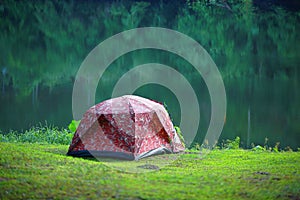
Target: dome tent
[[128, 127]]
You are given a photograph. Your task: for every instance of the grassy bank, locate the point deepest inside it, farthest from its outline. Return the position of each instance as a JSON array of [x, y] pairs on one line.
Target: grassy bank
[[42, 171]]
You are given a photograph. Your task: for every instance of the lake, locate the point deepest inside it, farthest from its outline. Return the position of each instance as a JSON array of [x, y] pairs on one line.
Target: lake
[[254, 45]]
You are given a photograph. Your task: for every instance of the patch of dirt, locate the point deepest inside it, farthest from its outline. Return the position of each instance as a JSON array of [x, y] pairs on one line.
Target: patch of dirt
[[3, 179], [293, 197], [289, 196], [262, 173], [148, 166]]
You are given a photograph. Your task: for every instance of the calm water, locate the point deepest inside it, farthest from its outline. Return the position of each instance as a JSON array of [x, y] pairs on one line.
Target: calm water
[[256, 109], [255, 46]]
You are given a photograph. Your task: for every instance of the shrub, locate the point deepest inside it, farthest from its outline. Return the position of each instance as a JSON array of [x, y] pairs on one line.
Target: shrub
[[40, 134], [232, 144]]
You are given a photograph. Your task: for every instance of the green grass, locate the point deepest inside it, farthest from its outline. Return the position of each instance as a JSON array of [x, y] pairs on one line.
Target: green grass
[[42, 134], [33, 165], [43, 171]]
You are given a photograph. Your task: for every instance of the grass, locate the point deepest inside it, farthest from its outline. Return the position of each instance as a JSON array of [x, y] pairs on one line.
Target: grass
[[43, 171], [42, 134]]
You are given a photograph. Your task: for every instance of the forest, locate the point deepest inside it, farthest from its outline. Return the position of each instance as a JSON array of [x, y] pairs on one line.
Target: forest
[[253, 43], [43, 43]]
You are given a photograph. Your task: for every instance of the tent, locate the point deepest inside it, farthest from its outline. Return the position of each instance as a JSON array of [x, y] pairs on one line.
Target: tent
[[127, 127]]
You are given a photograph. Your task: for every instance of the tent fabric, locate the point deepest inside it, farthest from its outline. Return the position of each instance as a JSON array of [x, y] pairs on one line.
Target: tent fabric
[[128, 127]]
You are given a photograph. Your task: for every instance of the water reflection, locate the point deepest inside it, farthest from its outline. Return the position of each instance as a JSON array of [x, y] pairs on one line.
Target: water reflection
[[4, 71], [254, 45]]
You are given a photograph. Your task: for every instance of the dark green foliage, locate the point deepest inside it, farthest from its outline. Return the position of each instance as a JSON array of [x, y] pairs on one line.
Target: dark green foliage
[[46, 41], [245, 41]]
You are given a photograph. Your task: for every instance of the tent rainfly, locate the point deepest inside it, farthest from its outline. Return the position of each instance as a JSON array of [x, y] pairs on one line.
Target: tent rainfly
[[127, 127]]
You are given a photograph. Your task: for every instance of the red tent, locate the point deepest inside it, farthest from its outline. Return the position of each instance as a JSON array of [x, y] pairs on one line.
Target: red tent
[[127, 127]]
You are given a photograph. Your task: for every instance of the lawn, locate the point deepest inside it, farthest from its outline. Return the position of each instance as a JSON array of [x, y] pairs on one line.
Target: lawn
[[43, 171]]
